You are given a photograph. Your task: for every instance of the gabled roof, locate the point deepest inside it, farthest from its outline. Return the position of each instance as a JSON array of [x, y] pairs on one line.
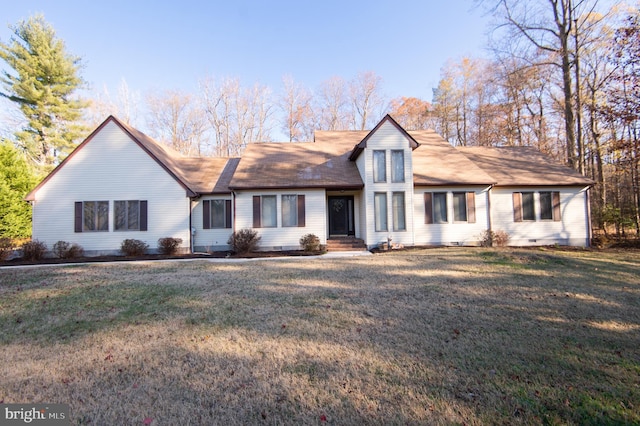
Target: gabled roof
[[363, 143], [523, 166], [436, 162], [196, 175]]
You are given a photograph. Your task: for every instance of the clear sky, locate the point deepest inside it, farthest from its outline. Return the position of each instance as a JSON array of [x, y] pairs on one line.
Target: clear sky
[[157, 45]]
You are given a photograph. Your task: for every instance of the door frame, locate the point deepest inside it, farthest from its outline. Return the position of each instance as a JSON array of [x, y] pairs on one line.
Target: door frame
[[351, 223]]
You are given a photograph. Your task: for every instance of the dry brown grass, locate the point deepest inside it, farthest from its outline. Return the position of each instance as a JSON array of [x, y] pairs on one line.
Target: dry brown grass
[[441, 336]]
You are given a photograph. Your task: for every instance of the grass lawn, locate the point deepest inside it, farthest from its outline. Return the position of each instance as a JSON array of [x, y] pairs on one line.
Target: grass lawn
[[438, 336]]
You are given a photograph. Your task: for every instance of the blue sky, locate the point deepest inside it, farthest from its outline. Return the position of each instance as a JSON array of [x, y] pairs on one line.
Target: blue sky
[[170, 45]]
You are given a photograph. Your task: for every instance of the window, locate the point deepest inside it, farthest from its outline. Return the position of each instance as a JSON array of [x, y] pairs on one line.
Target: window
[[524, 208], [397, 166], [293, 210], [130, 215], [379, 166], [92, 216], [380, 207], [435, 207], [399, 222], [546, 209], [216, 214], [460, 206]]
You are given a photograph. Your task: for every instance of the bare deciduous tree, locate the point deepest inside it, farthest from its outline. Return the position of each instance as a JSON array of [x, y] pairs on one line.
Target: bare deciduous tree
[[295, 103], [366, 99]]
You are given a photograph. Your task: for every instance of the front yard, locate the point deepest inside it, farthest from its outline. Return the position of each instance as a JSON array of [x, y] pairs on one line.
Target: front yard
[[438, 336]]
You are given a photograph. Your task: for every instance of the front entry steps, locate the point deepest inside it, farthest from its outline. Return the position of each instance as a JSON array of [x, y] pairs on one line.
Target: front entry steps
[[345, 244]]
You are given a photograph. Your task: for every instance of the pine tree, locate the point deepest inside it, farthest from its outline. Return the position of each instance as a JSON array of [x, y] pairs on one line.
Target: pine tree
[[16, 180], [42, 81]]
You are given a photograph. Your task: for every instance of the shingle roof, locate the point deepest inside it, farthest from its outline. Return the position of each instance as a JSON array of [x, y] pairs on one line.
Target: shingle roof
[[323, 164], [436, 162], [523, 166]]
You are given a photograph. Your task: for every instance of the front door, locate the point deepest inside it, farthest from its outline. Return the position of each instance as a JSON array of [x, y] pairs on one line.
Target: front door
[[341, 215]]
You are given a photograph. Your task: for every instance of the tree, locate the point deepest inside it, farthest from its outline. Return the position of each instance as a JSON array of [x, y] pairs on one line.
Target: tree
[[295, 102], [43, 81], [332, 105], [411, 113], [367, 101], [178, 120], [237, 115], [16, 180]]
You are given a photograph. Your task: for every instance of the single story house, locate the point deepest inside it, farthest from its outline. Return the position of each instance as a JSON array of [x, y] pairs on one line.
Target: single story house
[[387, 184]]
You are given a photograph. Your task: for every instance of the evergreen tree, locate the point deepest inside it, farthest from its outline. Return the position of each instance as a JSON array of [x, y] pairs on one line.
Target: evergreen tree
[[42, 81], [16, 180]]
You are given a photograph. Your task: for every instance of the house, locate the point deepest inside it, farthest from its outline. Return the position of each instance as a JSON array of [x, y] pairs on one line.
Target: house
[[387, 184]]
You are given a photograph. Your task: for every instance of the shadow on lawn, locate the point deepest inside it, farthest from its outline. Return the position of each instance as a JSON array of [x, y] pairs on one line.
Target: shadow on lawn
[[490, 336]]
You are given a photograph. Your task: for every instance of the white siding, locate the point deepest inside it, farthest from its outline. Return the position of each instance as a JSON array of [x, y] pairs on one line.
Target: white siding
[[450, 233], [571, 230], [110, 167], [279, 237], [386, 138], [209, 239]]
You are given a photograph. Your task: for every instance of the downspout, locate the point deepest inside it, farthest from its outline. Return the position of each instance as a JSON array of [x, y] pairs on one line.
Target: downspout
[[589, 224], [191, 230], [490, 222]]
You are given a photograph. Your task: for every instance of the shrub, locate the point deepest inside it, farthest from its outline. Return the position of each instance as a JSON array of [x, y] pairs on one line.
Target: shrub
[[34, 250], [65, 250], [494, 238], [244, 241], [131, 247], [6, 247], [310, 242], [169, 245]]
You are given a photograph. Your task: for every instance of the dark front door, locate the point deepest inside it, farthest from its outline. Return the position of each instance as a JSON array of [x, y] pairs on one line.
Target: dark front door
[[341, 215]]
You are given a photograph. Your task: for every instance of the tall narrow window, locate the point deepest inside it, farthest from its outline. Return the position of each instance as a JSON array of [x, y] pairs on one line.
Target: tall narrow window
[[528, 209], [379, 166], [439, 207], [399, 220], [269, 211], [397, 166], [460, 206], [546, 206], [380, 207]]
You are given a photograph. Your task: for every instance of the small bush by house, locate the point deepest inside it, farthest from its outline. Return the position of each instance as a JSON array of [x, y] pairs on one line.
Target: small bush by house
[[244, 241], [6, 247], [132, 247], [310, 242], [34, 250], [169, 245], [494, 238], [66, 250]]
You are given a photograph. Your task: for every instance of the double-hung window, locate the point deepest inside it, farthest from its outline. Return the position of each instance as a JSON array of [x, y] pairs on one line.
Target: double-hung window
[[524, 206], [129, 215], [293, 210], [435, 207], [265, 211], [92, 216], [216, 214], [464, 207]]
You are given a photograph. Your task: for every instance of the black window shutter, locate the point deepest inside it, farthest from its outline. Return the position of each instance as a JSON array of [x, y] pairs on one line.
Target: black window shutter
[[301, 212], [78, 217], [428, 207], [517, 207], [471, 207], [227, 212], [256, 212], [206, 214], [557, 212], [143, 215]]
